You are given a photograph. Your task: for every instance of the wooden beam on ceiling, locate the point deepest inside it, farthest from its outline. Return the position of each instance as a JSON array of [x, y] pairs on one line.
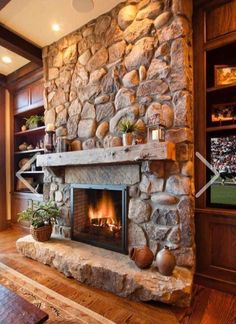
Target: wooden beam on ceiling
[[20, 46], [3, 3], [3, 80]]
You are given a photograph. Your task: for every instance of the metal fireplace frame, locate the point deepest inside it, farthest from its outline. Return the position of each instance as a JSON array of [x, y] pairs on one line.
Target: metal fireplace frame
[[124, 235]]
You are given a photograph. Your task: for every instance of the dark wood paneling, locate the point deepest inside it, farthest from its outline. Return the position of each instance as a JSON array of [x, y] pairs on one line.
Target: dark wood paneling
[[216, 245], [29, 97], [221, 20], [223, 235], [36, 92], [199, 102], [3, 3], [3, 80], [20, 46], [21, 201], [2, 161], [22, 99]]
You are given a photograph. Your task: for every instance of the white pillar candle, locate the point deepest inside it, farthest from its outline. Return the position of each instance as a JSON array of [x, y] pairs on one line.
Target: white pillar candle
[[155, 134], [50, 128]]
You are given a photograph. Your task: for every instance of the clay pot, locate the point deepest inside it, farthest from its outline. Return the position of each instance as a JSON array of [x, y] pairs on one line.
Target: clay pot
[[143, 257], [127, 139], [165, 261]]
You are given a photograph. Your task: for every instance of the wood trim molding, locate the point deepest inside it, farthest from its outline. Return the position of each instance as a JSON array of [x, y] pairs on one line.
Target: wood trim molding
[[3, 3], [24, 76], [20, 46], [3, 80], [3, 222]]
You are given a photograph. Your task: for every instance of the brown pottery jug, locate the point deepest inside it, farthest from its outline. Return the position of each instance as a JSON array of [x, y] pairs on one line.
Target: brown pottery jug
[[165, 261], [143, 256]]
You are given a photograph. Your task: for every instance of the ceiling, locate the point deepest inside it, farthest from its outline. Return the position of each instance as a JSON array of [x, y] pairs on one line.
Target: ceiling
[[32, 19], [17, 61]]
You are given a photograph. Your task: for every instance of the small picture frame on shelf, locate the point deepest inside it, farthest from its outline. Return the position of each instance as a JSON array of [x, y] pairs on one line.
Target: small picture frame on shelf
[[224, 75], [225, 112]]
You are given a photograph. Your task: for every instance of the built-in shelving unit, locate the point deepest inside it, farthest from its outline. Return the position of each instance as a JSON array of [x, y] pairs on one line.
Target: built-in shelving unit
[[215, 219], [26, 101]]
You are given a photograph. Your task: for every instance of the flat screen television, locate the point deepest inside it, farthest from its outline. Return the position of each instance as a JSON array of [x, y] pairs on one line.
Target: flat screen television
[[222, 192]]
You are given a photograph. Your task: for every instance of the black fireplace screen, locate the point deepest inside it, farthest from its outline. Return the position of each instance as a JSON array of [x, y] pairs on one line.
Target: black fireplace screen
[[99, 215]]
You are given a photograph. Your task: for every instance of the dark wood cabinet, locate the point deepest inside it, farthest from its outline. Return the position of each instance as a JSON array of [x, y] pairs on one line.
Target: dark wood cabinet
[[214, 25]]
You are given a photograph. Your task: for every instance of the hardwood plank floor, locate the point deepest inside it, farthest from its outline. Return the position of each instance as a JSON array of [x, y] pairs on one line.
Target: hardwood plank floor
[[209, 306]]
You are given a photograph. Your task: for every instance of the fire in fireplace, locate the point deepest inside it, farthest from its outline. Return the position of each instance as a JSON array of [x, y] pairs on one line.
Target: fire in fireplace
[[99, 215]]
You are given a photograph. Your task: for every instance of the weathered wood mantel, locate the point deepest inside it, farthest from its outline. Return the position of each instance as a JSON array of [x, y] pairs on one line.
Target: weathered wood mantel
[[121, 154]]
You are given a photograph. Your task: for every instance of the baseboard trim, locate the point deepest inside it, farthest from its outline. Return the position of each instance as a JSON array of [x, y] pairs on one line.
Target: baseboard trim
[[215, 283]]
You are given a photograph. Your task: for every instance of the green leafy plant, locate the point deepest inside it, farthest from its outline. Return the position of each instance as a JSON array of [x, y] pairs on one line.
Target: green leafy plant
[[126, 125], [40, 214], [34, 120]]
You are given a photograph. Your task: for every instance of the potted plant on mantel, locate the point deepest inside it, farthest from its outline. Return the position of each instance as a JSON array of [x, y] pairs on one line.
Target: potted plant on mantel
[[34, 121], [41, 217], [127, 127]]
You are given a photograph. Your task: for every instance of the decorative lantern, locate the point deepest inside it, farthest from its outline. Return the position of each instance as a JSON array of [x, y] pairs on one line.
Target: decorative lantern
[[49, 141], [156, 129]]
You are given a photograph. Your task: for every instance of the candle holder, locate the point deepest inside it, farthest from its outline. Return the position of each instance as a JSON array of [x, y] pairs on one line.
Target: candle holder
[[50, 146], [156, 129]]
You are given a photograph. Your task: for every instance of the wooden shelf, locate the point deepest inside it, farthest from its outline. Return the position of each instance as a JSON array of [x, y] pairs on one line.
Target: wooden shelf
[[31, 131], [218, 89], [28, 152], [30, 110], [28, 195], [32, 172], [220, 128], [121, 154]]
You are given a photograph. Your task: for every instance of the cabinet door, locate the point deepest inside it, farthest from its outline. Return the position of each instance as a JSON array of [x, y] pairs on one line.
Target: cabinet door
[[221, 20], [36, 93], [29, 97], [216, 245], [21, 99]]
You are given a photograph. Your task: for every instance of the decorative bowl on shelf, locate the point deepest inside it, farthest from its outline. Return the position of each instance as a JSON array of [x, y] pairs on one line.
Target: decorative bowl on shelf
[[23, 146]]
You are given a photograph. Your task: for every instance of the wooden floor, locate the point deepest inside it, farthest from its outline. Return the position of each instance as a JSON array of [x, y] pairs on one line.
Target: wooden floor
[[209, 306]]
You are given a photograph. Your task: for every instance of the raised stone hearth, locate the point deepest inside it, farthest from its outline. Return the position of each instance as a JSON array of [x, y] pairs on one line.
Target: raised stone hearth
[[110, 271]]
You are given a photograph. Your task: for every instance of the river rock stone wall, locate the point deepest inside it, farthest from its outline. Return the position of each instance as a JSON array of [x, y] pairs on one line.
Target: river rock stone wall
[[133, 61]]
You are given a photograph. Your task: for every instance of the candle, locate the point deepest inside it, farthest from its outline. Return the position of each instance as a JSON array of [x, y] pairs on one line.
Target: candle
[[155, 134], [50, 128]]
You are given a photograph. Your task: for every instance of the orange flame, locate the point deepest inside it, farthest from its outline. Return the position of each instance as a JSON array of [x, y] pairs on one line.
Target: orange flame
[[104, 209]]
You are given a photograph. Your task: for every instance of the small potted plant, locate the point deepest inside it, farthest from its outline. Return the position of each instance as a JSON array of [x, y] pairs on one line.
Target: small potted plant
[[34, 121], [127, 128], [41, 217]]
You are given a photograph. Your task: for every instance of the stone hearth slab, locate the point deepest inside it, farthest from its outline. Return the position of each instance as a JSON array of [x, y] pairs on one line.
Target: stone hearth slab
[[110, 271]]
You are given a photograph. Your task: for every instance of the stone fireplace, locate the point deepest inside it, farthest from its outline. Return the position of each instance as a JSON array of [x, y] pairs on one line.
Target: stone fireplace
[[132, 62], [99, 215]]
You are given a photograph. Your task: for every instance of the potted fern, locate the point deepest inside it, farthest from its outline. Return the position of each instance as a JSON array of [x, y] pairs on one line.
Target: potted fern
[[34, 121], [41, 217], [127, 127]]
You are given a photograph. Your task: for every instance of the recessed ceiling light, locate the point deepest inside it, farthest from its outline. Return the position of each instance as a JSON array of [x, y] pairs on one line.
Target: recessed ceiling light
[[56, 27], [6, 59], [83, 5]]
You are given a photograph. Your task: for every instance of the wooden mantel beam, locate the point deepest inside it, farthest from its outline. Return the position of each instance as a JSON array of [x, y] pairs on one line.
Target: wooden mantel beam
[[121, 154], [20, 46], [3, 3]]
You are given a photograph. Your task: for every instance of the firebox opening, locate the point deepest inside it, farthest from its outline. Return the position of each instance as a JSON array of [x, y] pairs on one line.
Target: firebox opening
[[99, 215]]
